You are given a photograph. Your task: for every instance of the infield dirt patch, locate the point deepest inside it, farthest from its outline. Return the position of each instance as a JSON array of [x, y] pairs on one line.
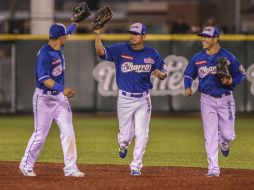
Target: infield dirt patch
[[116, 177]]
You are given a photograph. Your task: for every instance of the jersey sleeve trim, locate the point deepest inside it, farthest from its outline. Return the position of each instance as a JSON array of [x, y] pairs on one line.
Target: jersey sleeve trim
[[188, 77], [105, 53], [44, 77]]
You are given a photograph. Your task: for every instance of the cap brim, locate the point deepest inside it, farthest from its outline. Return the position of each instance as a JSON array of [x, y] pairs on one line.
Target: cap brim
[[204, 35], [133, 32], [207, 35]]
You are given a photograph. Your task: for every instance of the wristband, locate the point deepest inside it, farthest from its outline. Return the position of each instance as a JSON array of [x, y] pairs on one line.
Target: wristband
[[71, 28], [58, 87]]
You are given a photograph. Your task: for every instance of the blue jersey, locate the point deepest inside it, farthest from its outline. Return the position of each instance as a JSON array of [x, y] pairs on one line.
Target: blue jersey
[[50, 64], [133, 67], [203, 66]]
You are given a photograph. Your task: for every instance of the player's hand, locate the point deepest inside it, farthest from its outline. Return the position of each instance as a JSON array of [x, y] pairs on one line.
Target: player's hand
[[227, 81], [98, 31], [68, 92], [188, 92], [157, 73]]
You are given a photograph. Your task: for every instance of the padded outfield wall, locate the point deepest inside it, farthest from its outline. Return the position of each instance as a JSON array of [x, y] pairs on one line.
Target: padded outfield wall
[[94, 79]]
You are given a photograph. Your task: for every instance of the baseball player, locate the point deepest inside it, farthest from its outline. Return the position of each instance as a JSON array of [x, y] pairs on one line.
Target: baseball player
[[134, 63], [50, 103], [217, 101]]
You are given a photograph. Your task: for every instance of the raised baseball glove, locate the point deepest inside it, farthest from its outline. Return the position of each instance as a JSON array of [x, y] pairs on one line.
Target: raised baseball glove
[[102, 16], [222, 70], [80, 12]]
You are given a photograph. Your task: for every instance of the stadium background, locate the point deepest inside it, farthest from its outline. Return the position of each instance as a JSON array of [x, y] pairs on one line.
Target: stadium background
[[176, 137], [24, 28], [81, 62]]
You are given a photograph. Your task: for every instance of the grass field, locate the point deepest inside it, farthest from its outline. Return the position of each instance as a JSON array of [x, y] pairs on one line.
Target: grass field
[[173, 142]]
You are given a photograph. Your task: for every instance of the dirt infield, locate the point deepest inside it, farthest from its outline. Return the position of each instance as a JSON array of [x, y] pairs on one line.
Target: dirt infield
[[115, 177]]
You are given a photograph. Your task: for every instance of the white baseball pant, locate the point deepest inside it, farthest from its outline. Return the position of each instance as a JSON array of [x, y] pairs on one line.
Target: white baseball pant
[[134, 119]]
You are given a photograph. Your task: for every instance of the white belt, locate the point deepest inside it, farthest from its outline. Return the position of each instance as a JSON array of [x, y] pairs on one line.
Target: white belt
[[134, 95], [48, 92]]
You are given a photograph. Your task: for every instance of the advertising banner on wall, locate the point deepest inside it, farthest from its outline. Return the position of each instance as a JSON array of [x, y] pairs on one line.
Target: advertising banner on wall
[[94, 79]]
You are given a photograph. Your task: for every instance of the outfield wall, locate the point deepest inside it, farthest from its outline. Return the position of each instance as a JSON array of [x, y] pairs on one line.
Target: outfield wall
[[95, 85]]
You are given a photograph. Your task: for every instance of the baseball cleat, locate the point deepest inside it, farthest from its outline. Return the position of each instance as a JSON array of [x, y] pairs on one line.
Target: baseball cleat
[[212, 174], [29, 173], [224, 150], [135, 172], [76, 174], [122, 152]]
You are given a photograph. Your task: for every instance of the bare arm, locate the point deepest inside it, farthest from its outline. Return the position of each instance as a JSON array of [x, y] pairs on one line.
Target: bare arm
[[98, 44]]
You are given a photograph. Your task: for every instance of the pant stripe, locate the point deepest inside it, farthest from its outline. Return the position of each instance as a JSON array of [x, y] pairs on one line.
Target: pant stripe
[[36, 117], [148, 105]]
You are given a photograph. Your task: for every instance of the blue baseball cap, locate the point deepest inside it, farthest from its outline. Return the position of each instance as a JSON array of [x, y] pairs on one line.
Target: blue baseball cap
[[209, 32], [138, 28], [57, 30]]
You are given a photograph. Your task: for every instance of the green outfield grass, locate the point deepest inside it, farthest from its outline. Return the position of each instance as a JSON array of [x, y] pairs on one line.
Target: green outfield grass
[[173, 142]]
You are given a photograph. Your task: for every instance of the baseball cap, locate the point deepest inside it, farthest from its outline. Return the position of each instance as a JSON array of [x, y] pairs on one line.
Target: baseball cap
[[57, 30], [209, 32], [137, 28]]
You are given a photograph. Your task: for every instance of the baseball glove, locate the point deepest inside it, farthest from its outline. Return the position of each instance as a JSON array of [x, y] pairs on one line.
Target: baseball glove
[[80, 12], [102, 16], [222, 70]]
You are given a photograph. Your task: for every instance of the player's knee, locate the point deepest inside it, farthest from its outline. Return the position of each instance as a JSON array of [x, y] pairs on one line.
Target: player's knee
[[144, 135], [40, 136], [67, 131], [40, 140], [142, 138]]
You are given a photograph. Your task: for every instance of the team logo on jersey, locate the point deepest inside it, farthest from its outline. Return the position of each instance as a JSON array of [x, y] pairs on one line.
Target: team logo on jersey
[[129, 67], [204, 71], [200, 62], [56, 61], [149, 60], [105, 74], [127, 57], [57, 70]]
